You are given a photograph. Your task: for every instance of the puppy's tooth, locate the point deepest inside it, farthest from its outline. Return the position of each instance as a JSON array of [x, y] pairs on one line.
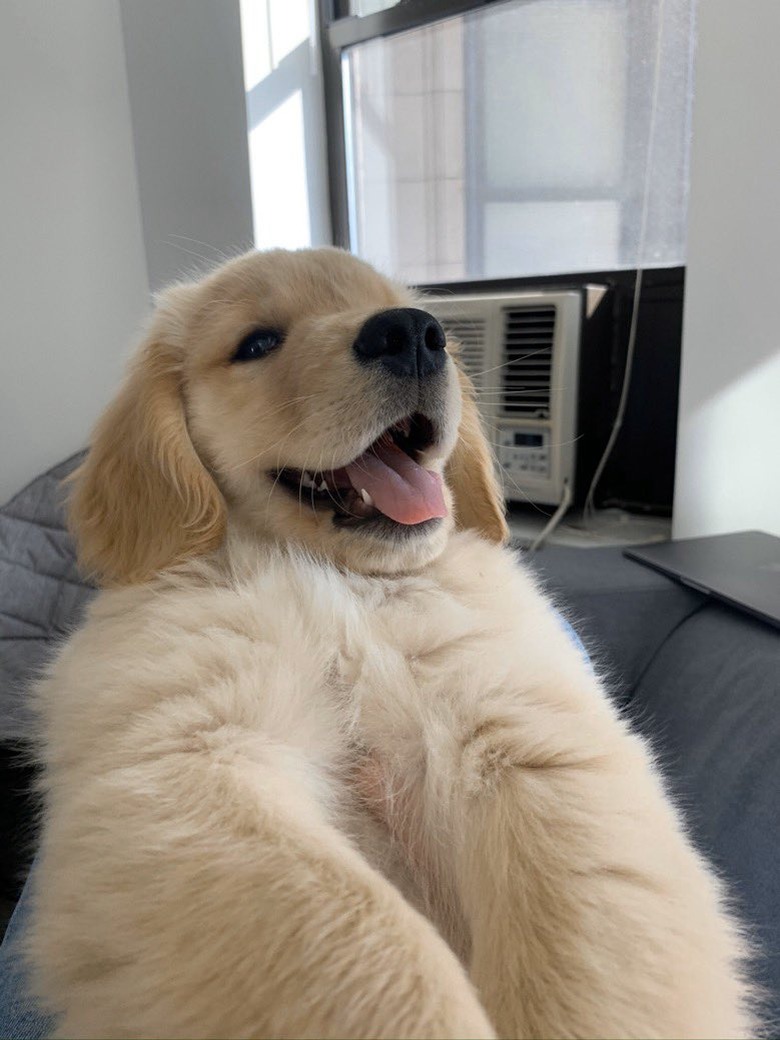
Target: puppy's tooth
[[366, 497], [323, 486]]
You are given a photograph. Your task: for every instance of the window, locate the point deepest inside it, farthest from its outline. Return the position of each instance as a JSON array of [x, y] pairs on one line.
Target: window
[[515, 139]]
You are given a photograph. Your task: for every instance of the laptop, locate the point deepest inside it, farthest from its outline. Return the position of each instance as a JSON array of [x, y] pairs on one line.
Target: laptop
[[742, 569]]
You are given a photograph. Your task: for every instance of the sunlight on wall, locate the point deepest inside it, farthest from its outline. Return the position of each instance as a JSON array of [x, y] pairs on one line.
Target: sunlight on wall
[[277, 160], [728, 437], [255, 42], [290, 25], [284, 120]]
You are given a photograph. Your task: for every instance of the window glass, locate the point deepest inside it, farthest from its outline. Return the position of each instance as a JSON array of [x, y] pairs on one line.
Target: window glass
[[514, 140]]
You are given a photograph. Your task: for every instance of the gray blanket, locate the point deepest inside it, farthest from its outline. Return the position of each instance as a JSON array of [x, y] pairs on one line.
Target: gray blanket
[[42, 595]]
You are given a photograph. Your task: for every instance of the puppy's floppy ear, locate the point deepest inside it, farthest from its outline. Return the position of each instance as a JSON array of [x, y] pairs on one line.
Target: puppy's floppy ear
[[470, 473], [142, 499]]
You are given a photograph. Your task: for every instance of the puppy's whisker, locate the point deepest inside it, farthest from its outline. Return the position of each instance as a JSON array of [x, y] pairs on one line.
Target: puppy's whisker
[[300, 485], [563, 444], [279, 467], [311, 489], [280, 444], [516, 391], [209, 260], [338, 499], [273, 488], [267, 415], [196, 241], [521, 491], [495, 368]]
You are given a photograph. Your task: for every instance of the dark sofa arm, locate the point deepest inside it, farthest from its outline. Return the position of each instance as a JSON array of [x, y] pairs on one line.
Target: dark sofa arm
[[710, 700], [622, 611], [702, 682]]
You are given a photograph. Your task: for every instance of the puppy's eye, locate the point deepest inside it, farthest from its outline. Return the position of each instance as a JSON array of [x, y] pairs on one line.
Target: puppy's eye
[[257, 344]]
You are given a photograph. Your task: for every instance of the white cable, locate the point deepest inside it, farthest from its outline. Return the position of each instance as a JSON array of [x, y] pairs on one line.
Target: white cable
[[554, 520], [621, 409], [631, 348]]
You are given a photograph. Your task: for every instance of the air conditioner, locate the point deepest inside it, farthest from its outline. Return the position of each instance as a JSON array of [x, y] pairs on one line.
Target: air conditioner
[[521, 351]]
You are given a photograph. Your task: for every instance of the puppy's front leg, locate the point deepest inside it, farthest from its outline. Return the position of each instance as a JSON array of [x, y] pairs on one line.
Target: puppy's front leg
[[540, 817], [205, 894], [590, 913]]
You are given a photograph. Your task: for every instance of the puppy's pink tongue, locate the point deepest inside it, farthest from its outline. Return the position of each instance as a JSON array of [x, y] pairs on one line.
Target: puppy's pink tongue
[[400, 488]]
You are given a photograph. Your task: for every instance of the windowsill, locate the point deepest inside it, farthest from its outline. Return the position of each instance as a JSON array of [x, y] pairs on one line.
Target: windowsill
[[608, 527]]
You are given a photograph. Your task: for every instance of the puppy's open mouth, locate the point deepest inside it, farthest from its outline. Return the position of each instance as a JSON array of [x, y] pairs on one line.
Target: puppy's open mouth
[[386, 482]]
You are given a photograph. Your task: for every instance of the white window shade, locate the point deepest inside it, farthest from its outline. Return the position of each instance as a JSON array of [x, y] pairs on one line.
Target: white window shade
[[515, 140]]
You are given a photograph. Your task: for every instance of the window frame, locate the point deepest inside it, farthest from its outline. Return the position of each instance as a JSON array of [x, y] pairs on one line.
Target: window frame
[[339, 30]]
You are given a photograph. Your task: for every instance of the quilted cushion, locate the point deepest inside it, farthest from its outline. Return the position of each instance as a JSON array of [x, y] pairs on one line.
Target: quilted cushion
[[43, 595]]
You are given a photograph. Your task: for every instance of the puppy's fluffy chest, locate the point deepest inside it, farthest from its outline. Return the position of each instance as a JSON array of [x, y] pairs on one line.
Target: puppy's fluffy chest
[[358, 687], [274, 647], [397, 652]]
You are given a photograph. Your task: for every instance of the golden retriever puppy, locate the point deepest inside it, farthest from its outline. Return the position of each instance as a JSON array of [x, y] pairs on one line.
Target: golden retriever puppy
[[322, 761]]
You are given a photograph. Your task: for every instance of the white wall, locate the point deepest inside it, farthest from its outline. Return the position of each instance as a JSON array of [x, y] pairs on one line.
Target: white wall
[[186, 86], [728, 454], [73, 282], [123, 139]]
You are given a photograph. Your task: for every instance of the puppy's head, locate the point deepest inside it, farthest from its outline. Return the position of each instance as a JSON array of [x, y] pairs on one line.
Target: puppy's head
[[300, 397]]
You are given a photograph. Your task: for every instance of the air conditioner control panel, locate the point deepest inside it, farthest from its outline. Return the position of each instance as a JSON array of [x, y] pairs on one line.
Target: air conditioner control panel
[[524, 453]]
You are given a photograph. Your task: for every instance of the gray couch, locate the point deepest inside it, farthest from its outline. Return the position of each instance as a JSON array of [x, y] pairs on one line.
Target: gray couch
[[700, 680]]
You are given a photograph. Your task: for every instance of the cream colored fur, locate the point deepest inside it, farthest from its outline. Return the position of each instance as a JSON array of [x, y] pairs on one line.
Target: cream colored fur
[[299, 784]]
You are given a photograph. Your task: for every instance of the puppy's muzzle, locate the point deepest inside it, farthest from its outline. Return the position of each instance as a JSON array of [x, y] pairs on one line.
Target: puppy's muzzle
[[406, 341]]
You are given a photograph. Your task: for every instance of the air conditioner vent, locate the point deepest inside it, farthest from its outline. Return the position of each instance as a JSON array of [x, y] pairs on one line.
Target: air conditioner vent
[[470, 334], [522, 351], [527, 367]]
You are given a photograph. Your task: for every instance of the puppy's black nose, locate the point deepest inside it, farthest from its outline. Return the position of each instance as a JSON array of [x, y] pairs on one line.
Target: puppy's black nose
[[405, 340]]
